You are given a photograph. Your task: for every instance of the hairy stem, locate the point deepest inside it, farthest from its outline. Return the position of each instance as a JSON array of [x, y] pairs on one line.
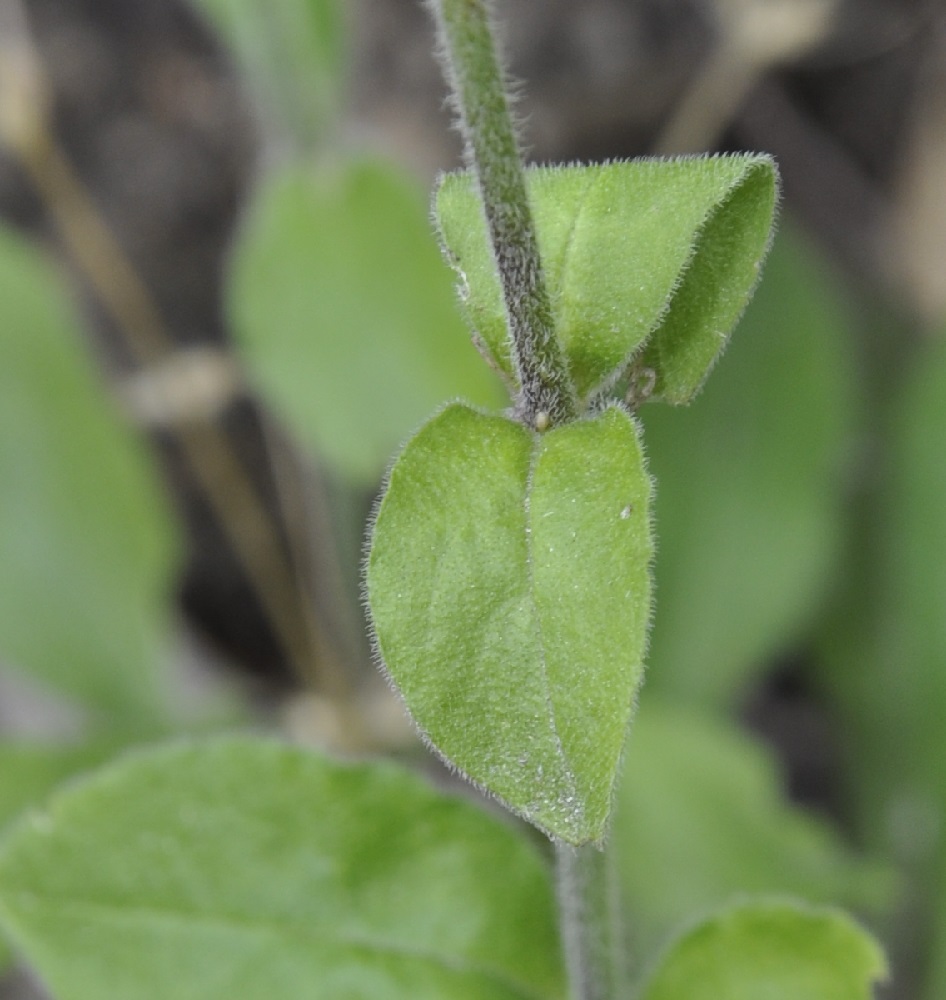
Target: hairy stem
[[547, 396], [589, 909]]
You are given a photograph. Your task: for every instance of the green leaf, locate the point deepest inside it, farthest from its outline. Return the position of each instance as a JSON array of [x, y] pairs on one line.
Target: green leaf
[[86, 550], [752, 486], [508, 580], [245, 868], [293, 52], [701, 818], [647, 259], [28, 773], [777, 950], [346, 313]]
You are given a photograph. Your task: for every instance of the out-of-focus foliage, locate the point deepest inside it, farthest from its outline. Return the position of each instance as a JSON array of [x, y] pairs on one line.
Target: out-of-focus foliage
[[884, 651], [293, 54], [347, 313], [702, 820], [750, 486], [87, 547]]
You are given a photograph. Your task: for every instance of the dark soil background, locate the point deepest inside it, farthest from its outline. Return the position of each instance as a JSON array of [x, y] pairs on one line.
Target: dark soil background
[[850, 97]]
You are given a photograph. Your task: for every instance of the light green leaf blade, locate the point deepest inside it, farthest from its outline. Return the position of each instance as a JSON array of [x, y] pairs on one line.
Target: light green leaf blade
[[774, 949], [508, 580], [246, 868], [87, 548], [701, 818], [752, 484], [647, 257], [346, 314], [293, 54], [28, 772]]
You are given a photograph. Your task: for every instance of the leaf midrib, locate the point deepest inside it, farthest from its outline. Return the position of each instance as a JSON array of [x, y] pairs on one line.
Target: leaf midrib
[[568, 773]]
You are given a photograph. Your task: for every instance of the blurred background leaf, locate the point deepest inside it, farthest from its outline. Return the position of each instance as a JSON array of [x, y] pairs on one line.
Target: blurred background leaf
[[293, 54], [884, 656], [702, 819], [750, 483], [28, 772], [347, 314], [773, 949], [87, 547]]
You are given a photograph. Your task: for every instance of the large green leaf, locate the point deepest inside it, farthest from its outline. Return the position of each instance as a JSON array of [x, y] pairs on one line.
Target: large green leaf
[[346, 312], [701, 818], [86, 549], [28, 772], [292, 51], [776, 950], [646, 258], [751, 486], [508, 580], [245, 868]]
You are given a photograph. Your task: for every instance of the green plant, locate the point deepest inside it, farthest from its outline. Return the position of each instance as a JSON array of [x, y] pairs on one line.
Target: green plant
[[242, 866], [508, 575]]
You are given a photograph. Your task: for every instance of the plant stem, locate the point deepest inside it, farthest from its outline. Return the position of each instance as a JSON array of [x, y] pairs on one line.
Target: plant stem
[[547, 396], [590, 918]]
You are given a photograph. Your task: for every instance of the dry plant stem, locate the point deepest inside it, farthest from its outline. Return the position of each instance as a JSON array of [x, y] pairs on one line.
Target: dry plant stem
[[547, 396], [590, 916], [216, 467]]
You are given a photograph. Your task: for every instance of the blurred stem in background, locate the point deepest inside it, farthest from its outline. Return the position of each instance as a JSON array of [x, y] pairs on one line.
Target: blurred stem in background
[[272, 568]]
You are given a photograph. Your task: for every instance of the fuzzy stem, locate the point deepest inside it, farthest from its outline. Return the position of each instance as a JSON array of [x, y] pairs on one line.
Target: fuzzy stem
[[590, 918], [547, 396]]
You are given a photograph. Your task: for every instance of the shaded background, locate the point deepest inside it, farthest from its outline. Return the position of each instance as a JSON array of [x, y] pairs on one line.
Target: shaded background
[[234, 198]]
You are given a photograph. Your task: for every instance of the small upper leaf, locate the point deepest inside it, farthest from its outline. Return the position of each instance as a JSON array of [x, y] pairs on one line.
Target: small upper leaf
[[245, 868], [646, 260], [509, 587], [774, 949]]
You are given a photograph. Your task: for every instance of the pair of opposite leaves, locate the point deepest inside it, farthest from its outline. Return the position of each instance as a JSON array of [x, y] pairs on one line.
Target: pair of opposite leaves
[[509, 570]]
